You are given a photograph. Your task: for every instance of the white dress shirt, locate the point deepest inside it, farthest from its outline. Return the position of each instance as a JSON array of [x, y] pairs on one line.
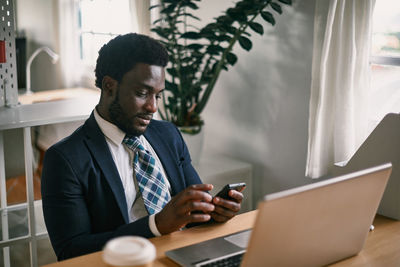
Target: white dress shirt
[[123, 158]]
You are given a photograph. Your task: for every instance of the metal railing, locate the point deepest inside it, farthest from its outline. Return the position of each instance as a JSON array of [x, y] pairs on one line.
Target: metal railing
[[32, 237]]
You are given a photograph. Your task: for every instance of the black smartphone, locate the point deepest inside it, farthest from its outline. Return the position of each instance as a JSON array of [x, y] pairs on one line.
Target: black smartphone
[[225, 190]]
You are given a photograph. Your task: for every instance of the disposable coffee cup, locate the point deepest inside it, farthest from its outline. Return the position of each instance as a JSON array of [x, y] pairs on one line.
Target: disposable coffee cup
[[129, 251]]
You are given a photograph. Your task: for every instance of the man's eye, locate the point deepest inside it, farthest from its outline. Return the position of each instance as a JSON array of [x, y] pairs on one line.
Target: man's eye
[[141, 94], [158, 96]]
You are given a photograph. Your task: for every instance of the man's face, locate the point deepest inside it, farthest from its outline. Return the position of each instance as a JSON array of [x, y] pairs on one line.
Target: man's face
[[136, 98]]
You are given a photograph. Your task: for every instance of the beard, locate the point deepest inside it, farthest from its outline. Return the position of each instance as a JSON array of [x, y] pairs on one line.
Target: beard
[[119, 118]]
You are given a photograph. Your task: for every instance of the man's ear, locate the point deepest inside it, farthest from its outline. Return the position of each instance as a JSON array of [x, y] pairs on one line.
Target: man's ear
[[109, 85]]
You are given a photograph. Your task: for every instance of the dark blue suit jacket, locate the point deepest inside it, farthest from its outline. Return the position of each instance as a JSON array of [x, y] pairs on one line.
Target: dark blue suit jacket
[[83, 198]]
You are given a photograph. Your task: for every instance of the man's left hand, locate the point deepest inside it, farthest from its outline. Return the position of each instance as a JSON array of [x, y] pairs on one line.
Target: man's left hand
[[226, 209]]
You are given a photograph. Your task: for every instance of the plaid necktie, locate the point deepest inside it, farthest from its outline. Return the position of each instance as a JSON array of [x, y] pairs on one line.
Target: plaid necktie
[[149, 176]]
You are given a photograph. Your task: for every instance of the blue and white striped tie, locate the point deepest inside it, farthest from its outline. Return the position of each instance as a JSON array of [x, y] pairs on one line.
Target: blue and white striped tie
[[150, 179]]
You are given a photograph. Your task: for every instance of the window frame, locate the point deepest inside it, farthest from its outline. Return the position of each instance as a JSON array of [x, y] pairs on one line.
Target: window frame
[[385, 60], [80, 32]]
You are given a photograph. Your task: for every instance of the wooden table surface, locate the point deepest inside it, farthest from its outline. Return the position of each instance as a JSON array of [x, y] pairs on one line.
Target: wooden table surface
[[381, 249], [171, 241]]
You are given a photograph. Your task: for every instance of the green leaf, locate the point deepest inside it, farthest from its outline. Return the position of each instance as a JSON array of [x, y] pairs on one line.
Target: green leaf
[[186, 70], [208, 33], [191, 5], [225, 20], [276, 7], [172, 101], [224, 37], [231, 58], [236, 14], [212, 26], [186, 60], [161, 32], [191, 35], [214, 49], [257, 27], [154, 6], [286, 2], [195, 46], [192, 16], [172, 72], [171, 87], [267, 16], [245, 43], [158, 20], [230, 29], [244, 5], [197, 54], [168, 9]]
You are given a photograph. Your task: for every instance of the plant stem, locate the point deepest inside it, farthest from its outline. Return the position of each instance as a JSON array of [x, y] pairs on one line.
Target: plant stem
[[177, 56], [166, 116], [161, 114], [204, 99]]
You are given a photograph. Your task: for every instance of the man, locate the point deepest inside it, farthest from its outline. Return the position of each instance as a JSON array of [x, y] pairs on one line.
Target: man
[[94, 181]]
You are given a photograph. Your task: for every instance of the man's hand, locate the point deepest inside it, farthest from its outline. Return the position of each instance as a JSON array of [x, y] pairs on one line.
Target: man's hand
[[226, 209], [180, 210]]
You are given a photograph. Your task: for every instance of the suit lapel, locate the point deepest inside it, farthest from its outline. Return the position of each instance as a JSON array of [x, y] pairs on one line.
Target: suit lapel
[[98, 146], [166, 157]]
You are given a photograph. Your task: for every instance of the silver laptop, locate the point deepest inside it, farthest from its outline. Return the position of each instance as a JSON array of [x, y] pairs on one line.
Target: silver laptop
[[312, 225]]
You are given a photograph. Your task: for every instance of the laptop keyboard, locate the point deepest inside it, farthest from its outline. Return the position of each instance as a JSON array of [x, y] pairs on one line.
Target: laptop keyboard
[[230, 261]]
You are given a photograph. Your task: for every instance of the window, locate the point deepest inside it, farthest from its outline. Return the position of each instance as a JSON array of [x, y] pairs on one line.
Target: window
[[86, 25], [385, 60], [99, 22]]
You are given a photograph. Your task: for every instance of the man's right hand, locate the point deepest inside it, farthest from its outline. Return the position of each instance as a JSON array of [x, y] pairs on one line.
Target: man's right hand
[[179, 211]]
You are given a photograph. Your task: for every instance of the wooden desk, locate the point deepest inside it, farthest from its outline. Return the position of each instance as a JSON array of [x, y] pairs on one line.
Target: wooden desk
[[171, 241], [381, 249]]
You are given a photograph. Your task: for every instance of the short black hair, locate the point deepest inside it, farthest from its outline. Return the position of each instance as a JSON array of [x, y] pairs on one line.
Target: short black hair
[[121, 54]]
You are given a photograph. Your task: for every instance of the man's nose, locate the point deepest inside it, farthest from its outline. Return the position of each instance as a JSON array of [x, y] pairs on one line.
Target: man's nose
[[151, 104]]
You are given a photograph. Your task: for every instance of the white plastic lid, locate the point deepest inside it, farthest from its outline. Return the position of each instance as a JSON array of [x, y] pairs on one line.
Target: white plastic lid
[[129, 250]]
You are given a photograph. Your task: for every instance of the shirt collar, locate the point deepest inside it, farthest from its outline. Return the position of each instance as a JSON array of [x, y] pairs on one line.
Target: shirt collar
[[111, 131]]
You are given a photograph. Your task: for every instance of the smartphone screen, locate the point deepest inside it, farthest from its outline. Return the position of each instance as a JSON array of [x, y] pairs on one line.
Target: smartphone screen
[[223, 193]]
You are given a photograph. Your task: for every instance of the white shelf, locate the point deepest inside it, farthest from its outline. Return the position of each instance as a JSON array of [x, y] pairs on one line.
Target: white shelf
[[50, 107], [47, 112]]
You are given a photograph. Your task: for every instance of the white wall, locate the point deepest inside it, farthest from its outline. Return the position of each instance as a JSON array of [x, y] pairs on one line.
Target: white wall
[[38, 19], [258, 111]]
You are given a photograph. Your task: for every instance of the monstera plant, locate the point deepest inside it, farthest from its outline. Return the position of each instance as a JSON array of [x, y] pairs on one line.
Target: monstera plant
[[198, 55]]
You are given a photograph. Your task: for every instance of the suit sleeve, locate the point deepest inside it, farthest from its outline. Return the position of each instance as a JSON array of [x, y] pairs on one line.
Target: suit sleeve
[[190, 174], [66, 212]]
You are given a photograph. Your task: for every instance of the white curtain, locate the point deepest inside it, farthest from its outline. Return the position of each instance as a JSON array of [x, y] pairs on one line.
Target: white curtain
[[340, 82], [68, 43], [141, 16]]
